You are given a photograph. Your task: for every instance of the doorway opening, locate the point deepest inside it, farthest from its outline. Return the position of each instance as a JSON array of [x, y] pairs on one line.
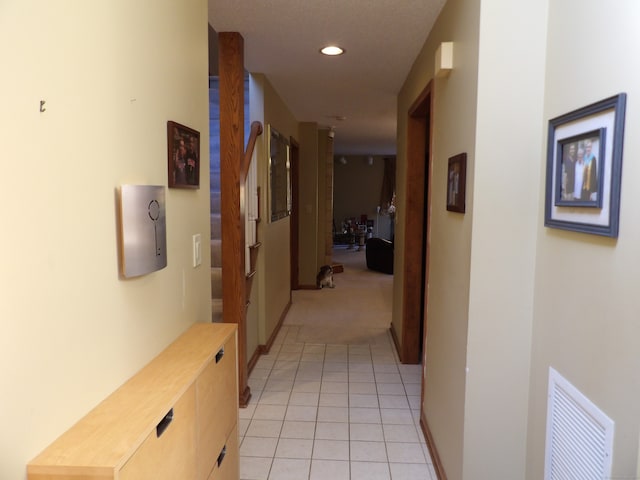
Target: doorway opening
[[417, 232]]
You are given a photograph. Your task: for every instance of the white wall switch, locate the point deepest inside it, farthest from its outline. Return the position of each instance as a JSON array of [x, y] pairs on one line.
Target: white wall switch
[[197, 250]]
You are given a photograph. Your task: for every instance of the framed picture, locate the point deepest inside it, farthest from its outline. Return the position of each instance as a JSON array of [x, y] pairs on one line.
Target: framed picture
[[456, 183], [279, 175], [584, 168], [184, 156]]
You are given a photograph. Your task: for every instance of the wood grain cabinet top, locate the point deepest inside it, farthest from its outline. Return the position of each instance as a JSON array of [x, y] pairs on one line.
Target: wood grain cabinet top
[[170, 420]]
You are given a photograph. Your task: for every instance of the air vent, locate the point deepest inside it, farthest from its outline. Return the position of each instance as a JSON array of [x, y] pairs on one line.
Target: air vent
[[579, 436]]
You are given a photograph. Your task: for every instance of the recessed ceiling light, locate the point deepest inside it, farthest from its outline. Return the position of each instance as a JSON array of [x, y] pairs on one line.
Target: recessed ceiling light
[[332, 50]]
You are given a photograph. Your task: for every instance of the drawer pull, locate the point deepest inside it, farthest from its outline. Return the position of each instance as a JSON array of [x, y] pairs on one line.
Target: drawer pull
[[164, 423], [222, 455], [219, 355]]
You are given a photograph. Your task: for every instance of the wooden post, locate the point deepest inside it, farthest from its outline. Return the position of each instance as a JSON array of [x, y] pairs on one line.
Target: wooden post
[[231, 66]]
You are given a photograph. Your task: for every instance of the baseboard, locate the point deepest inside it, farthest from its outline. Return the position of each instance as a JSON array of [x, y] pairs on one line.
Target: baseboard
[[394, 337], [431, 445], [245, 396], [253, 360], [264, 349], [307, 287]]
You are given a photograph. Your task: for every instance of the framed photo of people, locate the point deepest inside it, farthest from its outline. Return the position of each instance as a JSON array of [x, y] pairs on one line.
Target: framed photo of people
[[456, 183], [584, 168], [184, 156]]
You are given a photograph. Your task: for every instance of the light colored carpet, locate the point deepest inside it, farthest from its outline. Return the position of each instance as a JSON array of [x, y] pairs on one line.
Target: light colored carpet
[[356, 311]]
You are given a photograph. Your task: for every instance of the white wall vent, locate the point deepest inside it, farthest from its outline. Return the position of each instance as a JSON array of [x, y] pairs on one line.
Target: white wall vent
[[579, 440]]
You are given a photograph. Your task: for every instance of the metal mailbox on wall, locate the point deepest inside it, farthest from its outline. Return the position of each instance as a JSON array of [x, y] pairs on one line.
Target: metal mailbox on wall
[[143, 229]]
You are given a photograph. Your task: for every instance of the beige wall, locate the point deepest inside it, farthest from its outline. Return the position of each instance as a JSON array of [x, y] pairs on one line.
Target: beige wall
[[274, 257], [308, 202], [482, 263], [586, 302], [509, 152], [112, 73], [453, 133], [357, 188]]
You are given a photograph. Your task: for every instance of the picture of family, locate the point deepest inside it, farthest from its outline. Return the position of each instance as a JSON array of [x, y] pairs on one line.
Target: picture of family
[[579, 175], [184, 156]]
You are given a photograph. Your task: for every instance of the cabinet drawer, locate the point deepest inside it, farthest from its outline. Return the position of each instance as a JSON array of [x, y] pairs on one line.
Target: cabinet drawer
[[217, 399], [168, 453], [229, 467]]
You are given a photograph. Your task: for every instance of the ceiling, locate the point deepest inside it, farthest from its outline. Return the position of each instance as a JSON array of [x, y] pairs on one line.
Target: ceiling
[[356, 92]]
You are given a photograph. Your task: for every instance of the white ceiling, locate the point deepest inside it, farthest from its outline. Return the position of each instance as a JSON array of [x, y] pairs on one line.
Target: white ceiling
[[381, 37]]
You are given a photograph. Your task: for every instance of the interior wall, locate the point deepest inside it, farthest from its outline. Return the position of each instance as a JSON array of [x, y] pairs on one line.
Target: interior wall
[[454, 113], [308, 200], [509, 151], [275, 236], [586, 302], [112, 73], [357, 188]]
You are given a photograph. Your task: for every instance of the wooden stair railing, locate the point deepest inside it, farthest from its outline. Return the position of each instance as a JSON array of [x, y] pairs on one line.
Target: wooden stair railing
[[254, 245]]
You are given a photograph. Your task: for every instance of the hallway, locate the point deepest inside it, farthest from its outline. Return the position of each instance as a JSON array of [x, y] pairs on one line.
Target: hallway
[[331, 400]]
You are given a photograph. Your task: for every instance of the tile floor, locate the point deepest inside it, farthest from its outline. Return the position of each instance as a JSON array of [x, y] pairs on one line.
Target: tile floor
[[338, 412]]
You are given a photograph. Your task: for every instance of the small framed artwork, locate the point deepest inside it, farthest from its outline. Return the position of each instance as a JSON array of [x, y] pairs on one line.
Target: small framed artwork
[[456, 183], [184, 156], [584, 168]]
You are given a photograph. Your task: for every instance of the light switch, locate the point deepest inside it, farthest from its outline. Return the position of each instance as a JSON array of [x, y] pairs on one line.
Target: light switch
[[197, 250]]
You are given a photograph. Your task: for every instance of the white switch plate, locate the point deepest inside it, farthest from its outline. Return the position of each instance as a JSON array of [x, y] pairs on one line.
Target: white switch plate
[[197, 250]]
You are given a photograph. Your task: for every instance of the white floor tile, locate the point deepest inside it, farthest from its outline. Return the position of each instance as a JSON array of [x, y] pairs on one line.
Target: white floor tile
[[264, 428], [393, 401], [368, 451], [258, 447], [290, 469], [390, 389], [370, 471], [364, 415], [332, 431], [274, 385], [254, 468], [360, 400], [396, 416], [301, 413], [294, 448], [366, 432], [363, 388], [270, 412], [331, 449], [405, 453], [334, 387], [385, 368], [334, 400], [333, 414], [388, 378], [336, 367], [304, 399], [401, 433], [274, 398], [360, 377], [306, 386], [405, 471], [296, 429], [329, 469], [335, 377]]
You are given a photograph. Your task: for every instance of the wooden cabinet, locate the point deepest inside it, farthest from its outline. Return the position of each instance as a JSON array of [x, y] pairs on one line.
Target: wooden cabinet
[[175, 419]]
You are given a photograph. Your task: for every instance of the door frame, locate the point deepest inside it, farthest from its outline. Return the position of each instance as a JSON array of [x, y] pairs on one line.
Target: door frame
[[414, 296], [295, 212]]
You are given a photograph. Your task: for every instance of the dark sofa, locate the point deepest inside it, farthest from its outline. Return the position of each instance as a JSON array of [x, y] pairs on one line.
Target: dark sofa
[[379, 255]]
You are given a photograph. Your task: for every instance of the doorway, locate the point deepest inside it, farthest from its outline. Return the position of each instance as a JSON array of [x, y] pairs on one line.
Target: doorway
[[417, 232]]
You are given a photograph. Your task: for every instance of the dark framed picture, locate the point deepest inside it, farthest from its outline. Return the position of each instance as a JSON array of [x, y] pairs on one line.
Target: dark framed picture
[[584, 168], [184, 156], [456, 183]]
